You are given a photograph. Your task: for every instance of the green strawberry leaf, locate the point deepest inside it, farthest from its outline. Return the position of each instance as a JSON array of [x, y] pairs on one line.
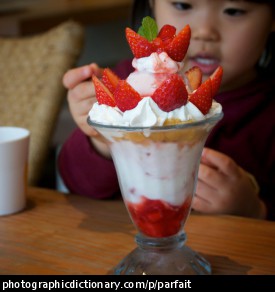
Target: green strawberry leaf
[[148, 29]]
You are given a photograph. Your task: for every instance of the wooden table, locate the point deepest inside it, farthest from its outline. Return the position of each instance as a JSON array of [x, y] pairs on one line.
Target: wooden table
[[69, 234], [23, 17]]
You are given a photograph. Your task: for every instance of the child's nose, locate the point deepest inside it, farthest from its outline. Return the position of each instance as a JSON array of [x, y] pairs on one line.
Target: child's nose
[[205, 29]]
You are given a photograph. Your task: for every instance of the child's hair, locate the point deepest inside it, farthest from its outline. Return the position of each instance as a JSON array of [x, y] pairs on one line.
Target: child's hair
[[141, 8]]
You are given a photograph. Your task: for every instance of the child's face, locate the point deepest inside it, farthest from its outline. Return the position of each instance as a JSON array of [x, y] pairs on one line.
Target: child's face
[[232, 34]]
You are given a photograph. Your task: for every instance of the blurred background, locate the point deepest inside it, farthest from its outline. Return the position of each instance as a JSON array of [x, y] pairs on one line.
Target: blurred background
[[104, 22]]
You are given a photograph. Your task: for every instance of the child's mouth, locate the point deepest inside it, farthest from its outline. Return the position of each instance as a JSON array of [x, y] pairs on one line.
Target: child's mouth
[[207, 64]]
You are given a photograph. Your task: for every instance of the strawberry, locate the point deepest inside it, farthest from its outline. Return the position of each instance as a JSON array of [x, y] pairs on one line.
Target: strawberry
[[194, 78], [167, 33], [179, 45], [103, 94], [171, 94], [202, 97], [158, 45], [139, 45], [216, 79], [110, 79], [126, 96], [147, 40]]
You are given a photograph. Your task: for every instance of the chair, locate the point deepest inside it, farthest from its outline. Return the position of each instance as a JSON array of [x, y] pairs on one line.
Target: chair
[[31, 90]]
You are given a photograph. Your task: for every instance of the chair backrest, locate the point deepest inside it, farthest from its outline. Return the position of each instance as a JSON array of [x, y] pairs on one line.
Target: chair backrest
[[31, 90]]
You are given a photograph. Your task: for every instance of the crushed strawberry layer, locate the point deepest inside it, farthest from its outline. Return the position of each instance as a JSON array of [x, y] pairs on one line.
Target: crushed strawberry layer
[[157, 218]]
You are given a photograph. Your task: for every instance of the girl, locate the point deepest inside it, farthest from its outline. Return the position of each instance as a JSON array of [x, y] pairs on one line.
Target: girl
[[236, 174]]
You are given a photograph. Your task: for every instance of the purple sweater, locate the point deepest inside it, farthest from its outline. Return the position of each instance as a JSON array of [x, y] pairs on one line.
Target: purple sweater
[[246, 133]]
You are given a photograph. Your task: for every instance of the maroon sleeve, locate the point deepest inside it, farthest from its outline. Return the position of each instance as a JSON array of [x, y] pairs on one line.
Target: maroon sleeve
[[124, 68], [84, 171], [246, 133]]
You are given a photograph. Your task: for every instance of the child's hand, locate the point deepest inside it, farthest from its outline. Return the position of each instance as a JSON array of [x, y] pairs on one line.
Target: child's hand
[[81, 94], [225, 188]]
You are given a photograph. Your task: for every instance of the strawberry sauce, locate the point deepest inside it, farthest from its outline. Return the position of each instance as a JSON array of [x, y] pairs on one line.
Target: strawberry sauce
[[157, 218]]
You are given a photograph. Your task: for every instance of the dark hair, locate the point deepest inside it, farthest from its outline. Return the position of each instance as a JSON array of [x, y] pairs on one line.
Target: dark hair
[[141, 8]]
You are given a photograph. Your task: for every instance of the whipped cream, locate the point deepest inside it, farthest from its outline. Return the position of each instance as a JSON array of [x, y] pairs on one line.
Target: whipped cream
[[147, 114]]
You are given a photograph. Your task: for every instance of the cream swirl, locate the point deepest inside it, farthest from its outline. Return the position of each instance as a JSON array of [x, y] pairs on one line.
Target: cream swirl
[[148, 114], [151, 71]]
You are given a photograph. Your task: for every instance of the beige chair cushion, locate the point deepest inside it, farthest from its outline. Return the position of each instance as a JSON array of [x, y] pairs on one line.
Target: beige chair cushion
[[31, 90]]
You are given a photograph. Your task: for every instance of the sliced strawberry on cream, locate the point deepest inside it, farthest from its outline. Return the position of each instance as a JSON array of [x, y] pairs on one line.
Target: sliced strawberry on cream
[[193, 78], [126, 96], [139, 45], [202, 97], [178, 47], [158, 45], [216, 79], [110, 79], [103, 94], [171, 94], [167, 33]]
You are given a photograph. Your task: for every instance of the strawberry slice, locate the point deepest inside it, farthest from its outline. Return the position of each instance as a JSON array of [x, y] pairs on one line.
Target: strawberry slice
[[179, 45], [193, 78], [171, 94], [202, 97], [126, 96], [139, 45], [167, 33], [158, 45], [110, 79], [103, 94], [216, 79]]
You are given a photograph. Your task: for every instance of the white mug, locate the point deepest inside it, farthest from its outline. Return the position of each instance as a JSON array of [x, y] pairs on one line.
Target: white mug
[[14, 150]]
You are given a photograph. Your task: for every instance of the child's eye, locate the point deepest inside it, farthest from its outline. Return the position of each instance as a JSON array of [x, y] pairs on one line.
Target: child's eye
[[181, 5], [234, 11]]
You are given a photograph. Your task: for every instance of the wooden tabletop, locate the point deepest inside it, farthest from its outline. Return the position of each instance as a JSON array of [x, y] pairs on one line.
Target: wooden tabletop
[[69, 234], [23, 17]]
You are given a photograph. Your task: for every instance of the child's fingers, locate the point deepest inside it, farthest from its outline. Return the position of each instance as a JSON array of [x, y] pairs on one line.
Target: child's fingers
[[218, 161], [98, 71], [201, 205], [75, 76], [211, 176], [82, 91]]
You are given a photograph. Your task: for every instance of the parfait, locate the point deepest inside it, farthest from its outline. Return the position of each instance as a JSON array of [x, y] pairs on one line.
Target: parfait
[[156, 123]]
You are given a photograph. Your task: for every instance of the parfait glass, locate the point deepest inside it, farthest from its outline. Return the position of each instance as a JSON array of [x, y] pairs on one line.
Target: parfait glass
[[157, 168]]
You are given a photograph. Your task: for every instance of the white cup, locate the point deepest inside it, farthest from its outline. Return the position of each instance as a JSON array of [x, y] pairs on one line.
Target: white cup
[[14, 150]]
